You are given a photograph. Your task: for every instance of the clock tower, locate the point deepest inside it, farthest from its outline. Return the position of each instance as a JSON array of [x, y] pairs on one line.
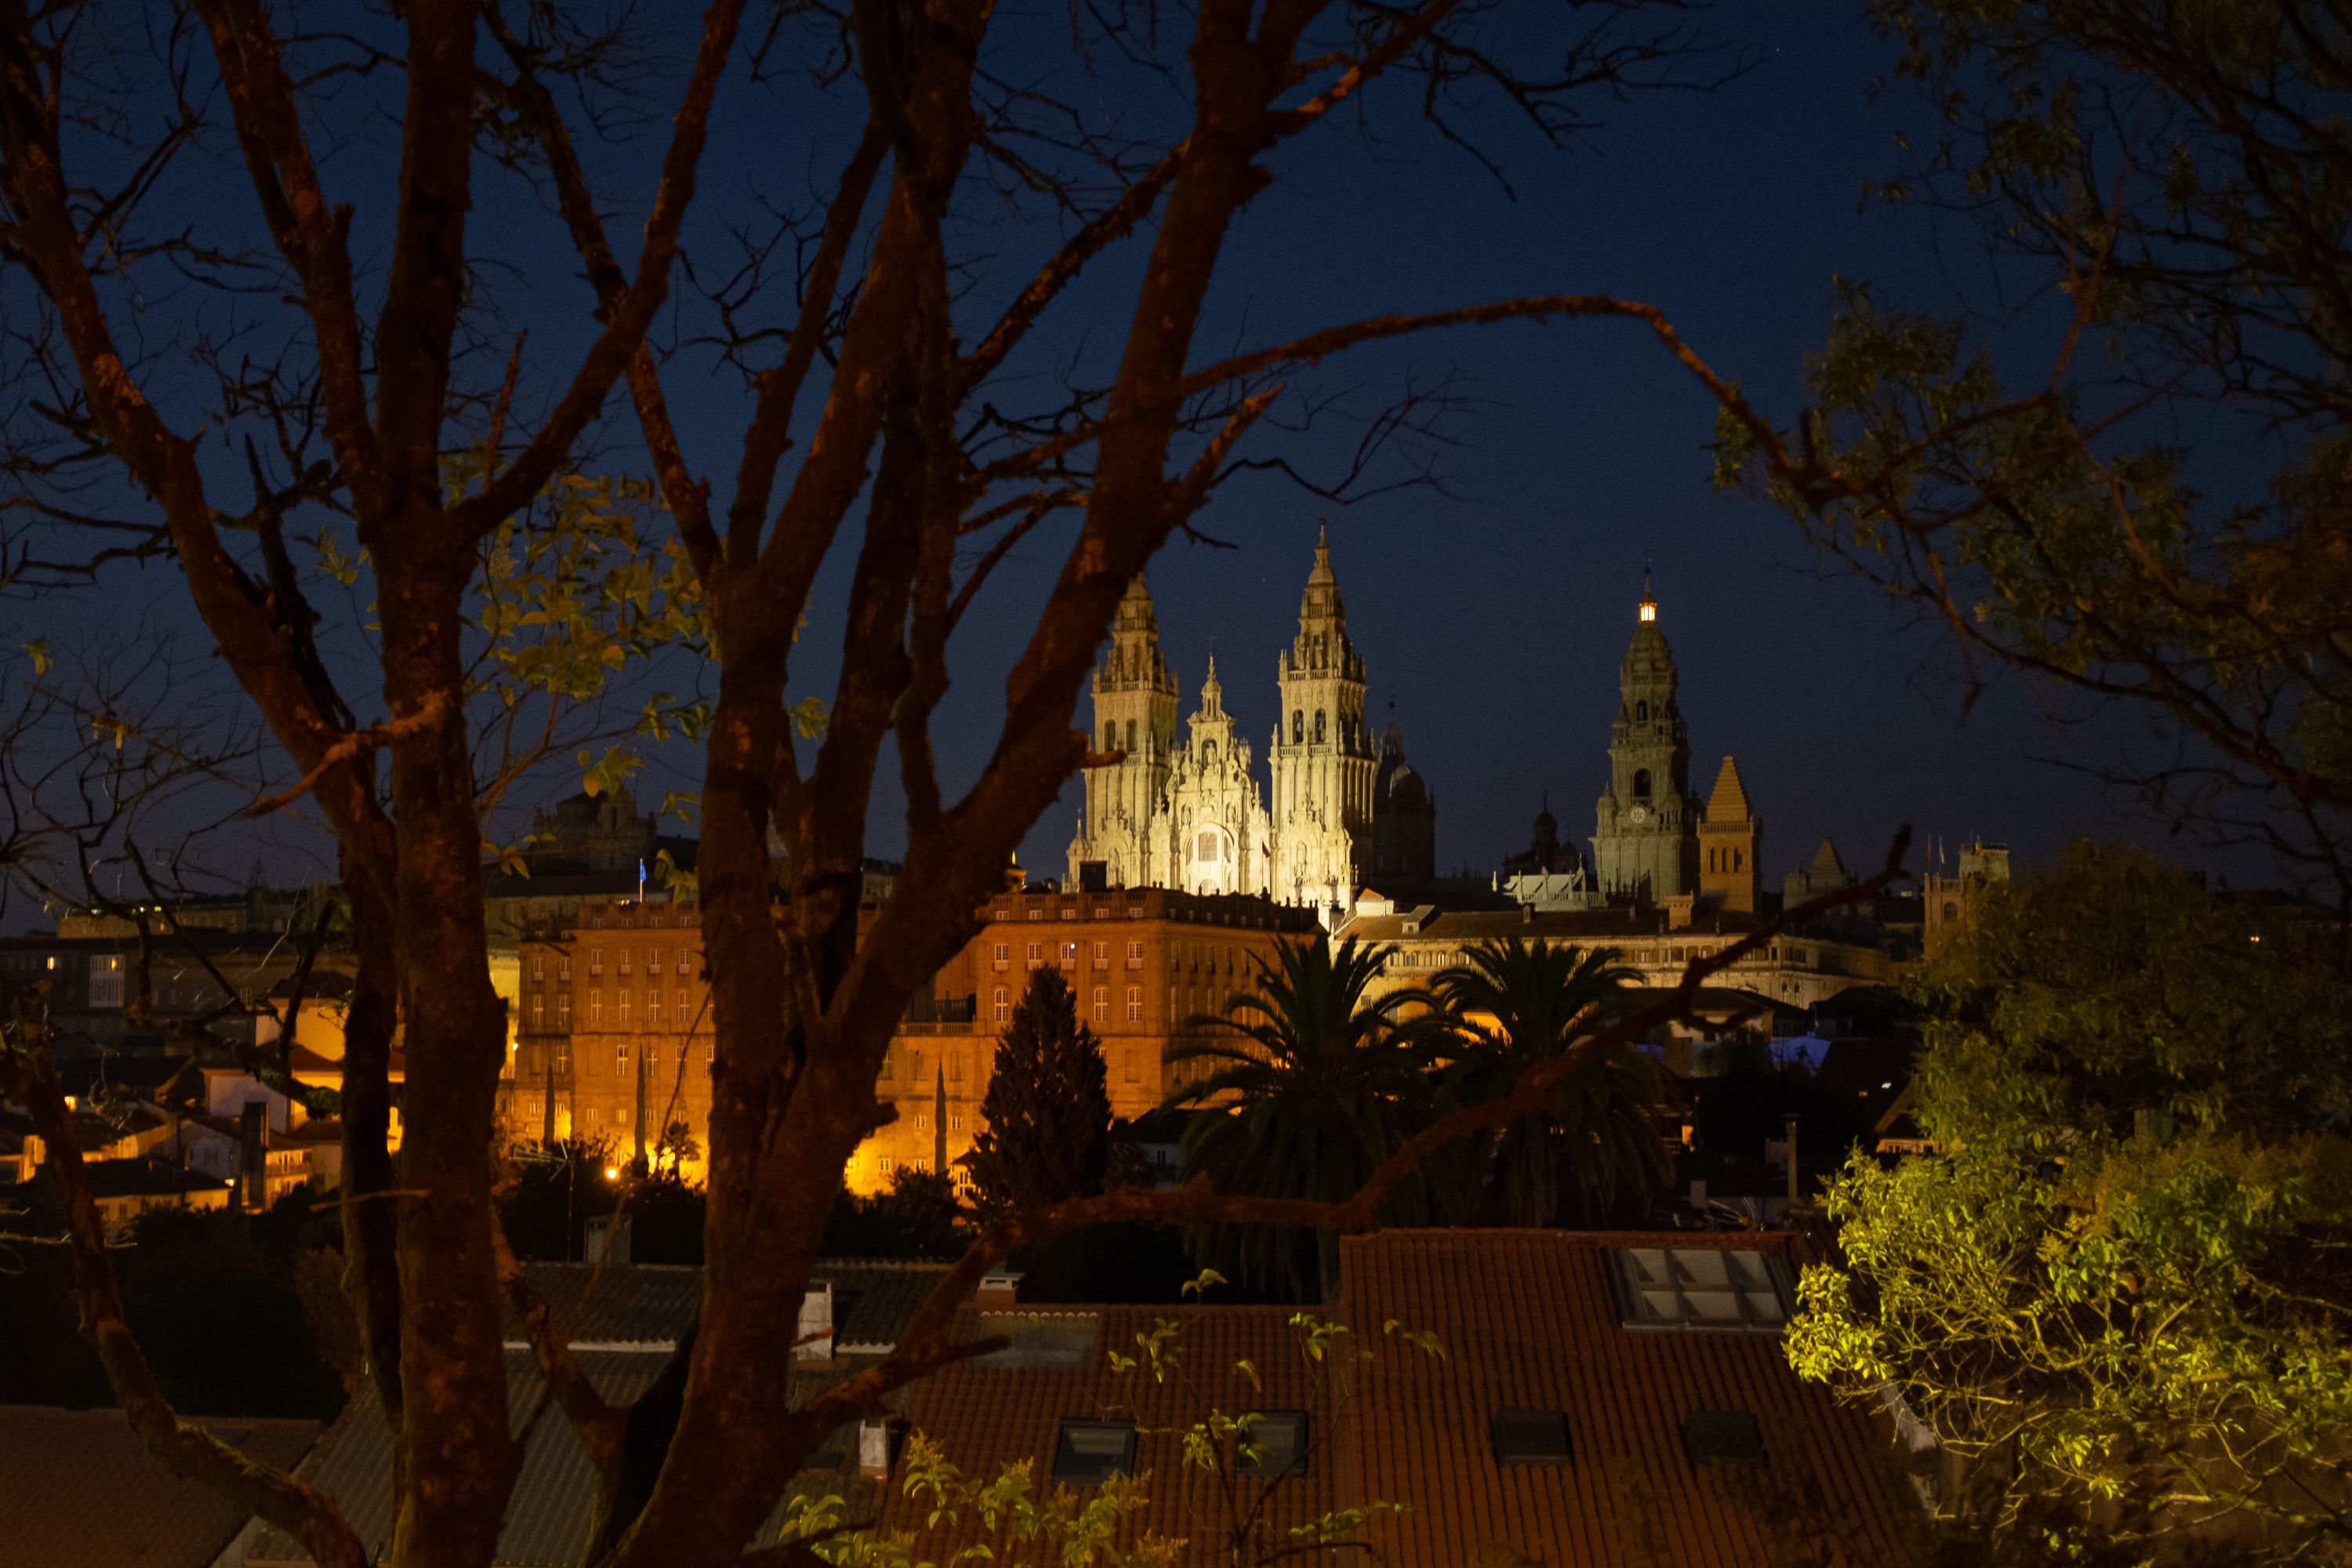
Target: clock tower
[[1645, 839]]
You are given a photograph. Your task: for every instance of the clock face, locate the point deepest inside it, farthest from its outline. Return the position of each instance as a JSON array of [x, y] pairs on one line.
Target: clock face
[[1640, 814]]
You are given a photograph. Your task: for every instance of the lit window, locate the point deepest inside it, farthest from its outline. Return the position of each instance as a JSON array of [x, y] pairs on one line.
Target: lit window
[[1701, 1287], [681, 1005], [653, 1008], [1135, 1003], [623, 1009], [538, 1007], [621, 1058], [1529, 1437], [1003, 1006], [1087, 1452], [1102, 1004], [595, 1007], [564, 1010]]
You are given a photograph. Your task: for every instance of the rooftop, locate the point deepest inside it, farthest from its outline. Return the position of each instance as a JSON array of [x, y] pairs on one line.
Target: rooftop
[[78, 1488]]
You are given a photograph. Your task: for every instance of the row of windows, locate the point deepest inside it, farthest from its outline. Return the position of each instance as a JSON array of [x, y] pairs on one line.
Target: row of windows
[[623, 1005], [1000, 1004], [654, 958]]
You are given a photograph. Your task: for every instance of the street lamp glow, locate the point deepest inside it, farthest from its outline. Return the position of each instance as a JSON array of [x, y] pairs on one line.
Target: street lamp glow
[[612, 1173]]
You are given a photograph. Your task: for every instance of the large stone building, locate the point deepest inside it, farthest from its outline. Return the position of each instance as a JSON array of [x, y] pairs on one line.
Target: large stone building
[[616, 1039], [1190, 817]]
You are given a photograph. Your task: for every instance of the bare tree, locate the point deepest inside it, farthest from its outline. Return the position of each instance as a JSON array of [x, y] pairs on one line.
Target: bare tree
[[927, 448]]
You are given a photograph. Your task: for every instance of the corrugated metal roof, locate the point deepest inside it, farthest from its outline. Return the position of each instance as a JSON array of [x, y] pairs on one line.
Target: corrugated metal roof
[[78, 1489], [548, 1515], [654, 1305]]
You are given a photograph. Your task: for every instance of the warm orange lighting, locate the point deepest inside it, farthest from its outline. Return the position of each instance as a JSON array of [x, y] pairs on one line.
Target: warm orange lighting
[[612, 1173], [1649, 609]]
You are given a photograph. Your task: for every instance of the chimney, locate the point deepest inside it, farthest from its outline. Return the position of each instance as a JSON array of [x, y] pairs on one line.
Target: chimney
[[998, 1292], [253, 1154], [876, 1442], [817, 1327], [606, 1239]]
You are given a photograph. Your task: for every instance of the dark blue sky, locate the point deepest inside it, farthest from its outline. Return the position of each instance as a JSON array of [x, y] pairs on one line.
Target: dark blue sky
[[1494, 616]]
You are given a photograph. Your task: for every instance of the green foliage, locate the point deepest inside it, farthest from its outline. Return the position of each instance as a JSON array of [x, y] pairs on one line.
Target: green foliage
[[1317, 1088], [1510, 1006], [917, 1217], [1177, 1406], [2113, 988], [2125, 1281], [1046, 1116], [2156, 512]]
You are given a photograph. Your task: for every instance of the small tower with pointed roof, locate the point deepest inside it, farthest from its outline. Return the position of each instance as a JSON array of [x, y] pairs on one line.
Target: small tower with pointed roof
[[1134, 715], [1322, 757], [1728, 839], [1645, 837]]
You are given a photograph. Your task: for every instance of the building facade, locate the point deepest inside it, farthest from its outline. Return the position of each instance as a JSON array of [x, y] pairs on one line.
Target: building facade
[[614, 1039], [1192, 817]]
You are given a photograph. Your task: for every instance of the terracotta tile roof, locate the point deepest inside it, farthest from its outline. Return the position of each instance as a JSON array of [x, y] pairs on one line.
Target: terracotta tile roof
[[985, 1417], [1529, 1320], [78, 1489]]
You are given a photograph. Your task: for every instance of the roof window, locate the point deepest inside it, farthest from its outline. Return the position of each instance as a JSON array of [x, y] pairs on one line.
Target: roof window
[[1529, 1437], [1708, 1288], [1273, 1443], [1722, 1437], [1087, 1452]]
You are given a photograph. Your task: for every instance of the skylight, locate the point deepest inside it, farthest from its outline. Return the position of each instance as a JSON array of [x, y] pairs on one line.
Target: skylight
[[1712, 1288], [1088, 1451], [1530, 1436], [1275, 1444], [1722, 1437]]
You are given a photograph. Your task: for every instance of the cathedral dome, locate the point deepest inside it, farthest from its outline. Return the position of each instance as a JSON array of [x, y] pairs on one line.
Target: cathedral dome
[[1546, 832]]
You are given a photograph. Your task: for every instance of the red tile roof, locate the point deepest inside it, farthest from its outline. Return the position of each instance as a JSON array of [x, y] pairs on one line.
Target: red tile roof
[[1529, 1320], [986, 1416], [78, 1489]]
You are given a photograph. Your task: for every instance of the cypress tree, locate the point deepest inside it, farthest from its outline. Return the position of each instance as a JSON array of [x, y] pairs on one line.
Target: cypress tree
[[1046, 1134]]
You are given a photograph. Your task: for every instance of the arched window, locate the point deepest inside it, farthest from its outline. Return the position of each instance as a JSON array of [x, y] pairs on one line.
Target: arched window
[[1318, 726], [1297, 727], [1951, 912], [1110, 737], [1642, 712], [1641, 784], [1130, 734]]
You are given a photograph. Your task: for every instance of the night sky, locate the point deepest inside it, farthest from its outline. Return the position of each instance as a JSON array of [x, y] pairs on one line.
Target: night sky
[[1493, 616]]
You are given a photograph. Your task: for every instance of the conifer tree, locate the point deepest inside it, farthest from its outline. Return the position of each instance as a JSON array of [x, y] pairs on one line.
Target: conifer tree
[[1046, 1116]]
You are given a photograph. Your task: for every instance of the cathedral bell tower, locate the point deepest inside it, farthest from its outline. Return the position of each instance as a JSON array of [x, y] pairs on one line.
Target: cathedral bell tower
[[1323, 762], [1645, 840], [1134, 713]]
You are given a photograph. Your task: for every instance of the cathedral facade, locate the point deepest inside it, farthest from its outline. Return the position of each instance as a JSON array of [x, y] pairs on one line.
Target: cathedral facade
[[1191, 816]]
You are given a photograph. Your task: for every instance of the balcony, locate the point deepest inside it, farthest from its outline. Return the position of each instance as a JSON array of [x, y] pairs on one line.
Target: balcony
[[940, 1016]]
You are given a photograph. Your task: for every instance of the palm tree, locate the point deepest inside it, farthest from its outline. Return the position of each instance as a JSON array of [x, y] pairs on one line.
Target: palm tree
[[1319, 1086], [1510, 1005]]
